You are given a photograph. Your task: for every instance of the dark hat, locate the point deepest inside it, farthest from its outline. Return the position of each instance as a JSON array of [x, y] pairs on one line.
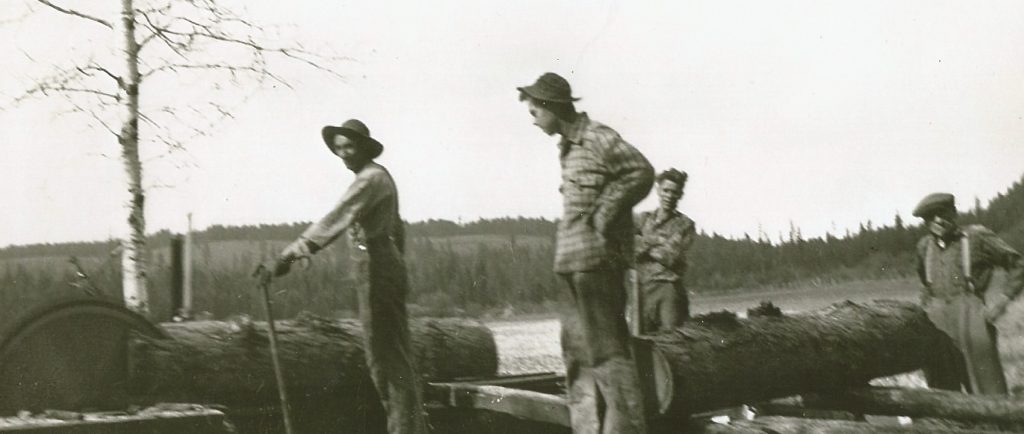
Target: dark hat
[[673, 175], [357, 131], [933, 204], [550, 87]]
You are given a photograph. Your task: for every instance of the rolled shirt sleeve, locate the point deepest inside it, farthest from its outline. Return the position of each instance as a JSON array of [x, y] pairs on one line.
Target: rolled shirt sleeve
[[365, 191], [674, 240], [993, 250]]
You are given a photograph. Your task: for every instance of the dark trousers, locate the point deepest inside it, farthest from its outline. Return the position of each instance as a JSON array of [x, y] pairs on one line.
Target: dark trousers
[[389, 354], [666, 305], [604, 388]]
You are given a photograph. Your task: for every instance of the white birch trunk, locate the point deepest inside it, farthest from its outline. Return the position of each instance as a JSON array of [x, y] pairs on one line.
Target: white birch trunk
[[133, 255]]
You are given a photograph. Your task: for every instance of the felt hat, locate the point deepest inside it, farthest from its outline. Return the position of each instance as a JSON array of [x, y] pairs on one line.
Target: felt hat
[[357, 131], [550, 87]]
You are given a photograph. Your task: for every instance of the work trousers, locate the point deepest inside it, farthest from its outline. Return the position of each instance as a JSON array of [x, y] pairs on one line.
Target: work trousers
[[389, 356], [974, 363], [603, 385], [666, 305]]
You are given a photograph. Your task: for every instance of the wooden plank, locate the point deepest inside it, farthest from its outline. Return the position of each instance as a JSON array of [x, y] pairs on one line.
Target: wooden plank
[[544, 382], [792, 425], [525, 404], [921, 403], [192, 421]]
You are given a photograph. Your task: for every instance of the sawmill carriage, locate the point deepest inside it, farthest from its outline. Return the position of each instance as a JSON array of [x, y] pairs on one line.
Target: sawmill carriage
[[91, 366]]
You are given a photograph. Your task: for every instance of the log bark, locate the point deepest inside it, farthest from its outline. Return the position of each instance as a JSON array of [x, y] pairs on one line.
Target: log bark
[[718, 360], [229, 362], [917, 403], [790, 425]]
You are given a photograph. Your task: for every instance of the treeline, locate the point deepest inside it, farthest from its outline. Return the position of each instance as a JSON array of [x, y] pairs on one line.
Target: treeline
[[483, 266]]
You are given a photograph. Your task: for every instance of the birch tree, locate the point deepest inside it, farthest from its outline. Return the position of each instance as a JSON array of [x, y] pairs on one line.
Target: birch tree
[[160, 43]]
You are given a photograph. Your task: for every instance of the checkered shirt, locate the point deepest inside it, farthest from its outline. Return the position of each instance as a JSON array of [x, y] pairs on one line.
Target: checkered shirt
[[663, 240], [603, 176]]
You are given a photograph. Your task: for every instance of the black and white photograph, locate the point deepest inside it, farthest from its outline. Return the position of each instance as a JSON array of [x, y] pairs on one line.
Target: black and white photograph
[[532, 217]]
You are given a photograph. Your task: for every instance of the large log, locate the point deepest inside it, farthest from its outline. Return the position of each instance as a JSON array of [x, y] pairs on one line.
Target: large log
[[228, 362], [718, 360]]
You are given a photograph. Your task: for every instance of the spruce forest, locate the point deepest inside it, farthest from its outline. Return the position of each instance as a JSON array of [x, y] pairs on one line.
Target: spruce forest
[[486, 267]]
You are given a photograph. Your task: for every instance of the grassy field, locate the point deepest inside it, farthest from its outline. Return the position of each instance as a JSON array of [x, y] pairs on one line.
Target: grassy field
[[533, 345]]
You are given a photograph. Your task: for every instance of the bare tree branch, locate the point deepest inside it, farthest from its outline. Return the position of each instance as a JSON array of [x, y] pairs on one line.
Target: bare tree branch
[[60, 88], [70, 80], [16, 19], [77, 108], [76, 13], [93, 67], [158, 32], [298, 53], [233, 69]]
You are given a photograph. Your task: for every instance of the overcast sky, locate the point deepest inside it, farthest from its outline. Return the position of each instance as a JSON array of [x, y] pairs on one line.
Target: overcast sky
[[826, 114]]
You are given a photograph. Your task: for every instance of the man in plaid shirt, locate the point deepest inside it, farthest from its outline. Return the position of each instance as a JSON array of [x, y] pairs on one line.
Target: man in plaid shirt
[[603, 176]]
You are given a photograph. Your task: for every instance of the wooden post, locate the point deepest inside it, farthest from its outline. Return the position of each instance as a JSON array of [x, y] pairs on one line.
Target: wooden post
[[176, 276], [186, 289]]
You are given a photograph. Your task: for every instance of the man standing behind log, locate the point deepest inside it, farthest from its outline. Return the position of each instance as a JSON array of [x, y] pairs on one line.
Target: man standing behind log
[[603, 176], [664, 237], [369, 210], [955, 265]]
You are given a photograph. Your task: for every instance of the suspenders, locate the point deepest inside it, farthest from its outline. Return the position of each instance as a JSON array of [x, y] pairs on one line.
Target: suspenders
[[965, 261]]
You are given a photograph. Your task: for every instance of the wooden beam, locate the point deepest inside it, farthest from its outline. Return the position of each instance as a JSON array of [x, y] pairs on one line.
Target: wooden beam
[[792, 425], [197, 420], [909, 402], [525, 404]]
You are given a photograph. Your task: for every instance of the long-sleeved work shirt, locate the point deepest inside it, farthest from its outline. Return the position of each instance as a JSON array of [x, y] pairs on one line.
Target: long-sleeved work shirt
[[603, 176], [941, 268], [664, 238], [370, 205]]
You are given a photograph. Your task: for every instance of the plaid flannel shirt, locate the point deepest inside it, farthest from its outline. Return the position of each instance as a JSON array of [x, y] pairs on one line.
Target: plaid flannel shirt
[[369, 210], [662, 244], [603, 176]]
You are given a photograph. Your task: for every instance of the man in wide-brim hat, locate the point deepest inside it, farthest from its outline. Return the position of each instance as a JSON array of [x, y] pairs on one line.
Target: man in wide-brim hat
[[955, 264], [369, 212], [603, 177]]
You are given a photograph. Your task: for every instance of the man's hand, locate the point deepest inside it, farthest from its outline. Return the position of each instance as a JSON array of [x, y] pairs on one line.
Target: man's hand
[[997, 308], [263, 274], [295, 251], [600, 222], [267, 272]]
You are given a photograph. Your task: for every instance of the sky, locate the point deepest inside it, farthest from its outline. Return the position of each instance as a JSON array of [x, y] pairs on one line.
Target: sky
[[821, 114]]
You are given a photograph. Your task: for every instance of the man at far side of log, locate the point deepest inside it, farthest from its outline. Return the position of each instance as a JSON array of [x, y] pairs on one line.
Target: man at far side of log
[[369, 212], [603, 177], [955, 264], [664, 237]]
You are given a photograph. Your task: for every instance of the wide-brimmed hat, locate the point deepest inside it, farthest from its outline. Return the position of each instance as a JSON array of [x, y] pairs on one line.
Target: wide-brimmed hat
[[357, 131], [933, 204], [550, 87]]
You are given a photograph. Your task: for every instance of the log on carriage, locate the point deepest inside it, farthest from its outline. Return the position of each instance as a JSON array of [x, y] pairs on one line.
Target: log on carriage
[[769, 372]]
